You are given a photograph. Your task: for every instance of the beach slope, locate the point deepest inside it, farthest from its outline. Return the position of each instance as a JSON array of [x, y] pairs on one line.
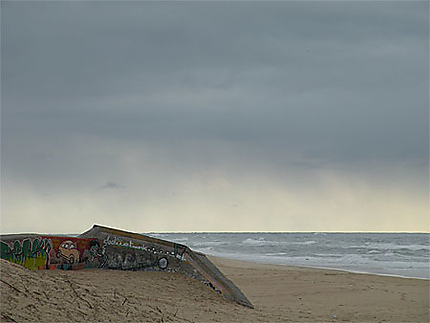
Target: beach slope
[[279, 293]]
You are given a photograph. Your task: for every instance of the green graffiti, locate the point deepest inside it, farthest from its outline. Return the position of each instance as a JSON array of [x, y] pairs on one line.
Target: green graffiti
[[28, 253], [5, 251], [26, 247]]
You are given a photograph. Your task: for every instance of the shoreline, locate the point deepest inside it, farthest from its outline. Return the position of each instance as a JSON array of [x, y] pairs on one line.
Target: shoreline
[[320, 267], [344, 270], [302, 267], [315, 294]]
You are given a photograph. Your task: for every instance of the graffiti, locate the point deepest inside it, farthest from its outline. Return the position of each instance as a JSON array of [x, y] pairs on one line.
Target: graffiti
[[95, 256], [117, 242], [136, 261], [163, 263], [51, 252], [178, 250], [30, 253], [132, 256], [68, 252]]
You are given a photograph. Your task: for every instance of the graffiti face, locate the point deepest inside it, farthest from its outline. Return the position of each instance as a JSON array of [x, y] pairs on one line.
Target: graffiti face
[[97, 256], [68, 252], [95, 249]]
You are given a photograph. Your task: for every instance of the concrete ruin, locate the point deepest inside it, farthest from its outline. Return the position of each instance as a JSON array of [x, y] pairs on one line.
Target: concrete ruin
[[108, 248]]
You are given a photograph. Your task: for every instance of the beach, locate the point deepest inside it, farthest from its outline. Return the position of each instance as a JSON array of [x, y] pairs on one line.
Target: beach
[[278, 293]]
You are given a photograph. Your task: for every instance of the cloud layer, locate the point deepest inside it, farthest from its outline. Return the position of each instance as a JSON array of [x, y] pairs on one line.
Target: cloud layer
[[215, 116]]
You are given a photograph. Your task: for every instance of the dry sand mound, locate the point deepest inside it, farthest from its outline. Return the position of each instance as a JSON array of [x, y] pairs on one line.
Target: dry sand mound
[[107, 296]]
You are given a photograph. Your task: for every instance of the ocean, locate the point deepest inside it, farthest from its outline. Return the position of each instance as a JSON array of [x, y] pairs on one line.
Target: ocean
[[397, 254]]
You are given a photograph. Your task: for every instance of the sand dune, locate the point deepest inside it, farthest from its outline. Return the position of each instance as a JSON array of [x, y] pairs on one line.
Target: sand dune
[[278, 293]]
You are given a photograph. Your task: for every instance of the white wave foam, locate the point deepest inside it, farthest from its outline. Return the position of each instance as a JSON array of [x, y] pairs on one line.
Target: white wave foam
[[373, 251], [276, 254], [257, 242], [305, 243], [393, 246], [206, 244]]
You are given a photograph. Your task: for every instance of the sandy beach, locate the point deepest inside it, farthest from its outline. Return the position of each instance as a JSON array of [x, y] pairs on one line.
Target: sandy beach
[[279, 294]]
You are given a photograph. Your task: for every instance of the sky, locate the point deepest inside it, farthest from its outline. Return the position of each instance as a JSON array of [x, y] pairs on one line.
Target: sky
[[215, 116]]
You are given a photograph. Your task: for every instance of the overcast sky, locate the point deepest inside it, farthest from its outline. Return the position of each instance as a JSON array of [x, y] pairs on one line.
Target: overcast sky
[[215, 116]]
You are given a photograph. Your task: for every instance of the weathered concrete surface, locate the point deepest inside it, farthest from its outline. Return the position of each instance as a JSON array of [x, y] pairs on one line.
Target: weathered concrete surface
[[217, 278], [132, 251]]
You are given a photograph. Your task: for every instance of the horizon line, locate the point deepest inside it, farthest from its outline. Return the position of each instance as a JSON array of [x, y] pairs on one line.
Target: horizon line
[[231, 232]]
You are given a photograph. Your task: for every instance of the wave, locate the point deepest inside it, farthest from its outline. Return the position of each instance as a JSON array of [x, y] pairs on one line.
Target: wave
[[393, 246], [255, 242], [262, 241], [276, 254], [304, 243], [400, 254], [373, 251], [207, 244]]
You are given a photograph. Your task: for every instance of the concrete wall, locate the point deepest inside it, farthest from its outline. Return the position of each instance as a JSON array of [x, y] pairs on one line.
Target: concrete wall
[[131, 251]]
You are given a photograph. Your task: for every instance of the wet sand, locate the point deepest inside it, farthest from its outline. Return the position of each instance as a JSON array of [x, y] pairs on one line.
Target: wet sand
[[279, 294]]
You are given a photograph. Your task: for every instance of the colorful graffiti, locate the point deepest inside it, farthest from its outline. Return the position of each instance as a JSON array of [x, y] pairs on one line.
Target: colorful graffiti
[[31, 253], [70, 253], [67, 251], [53, 252], [50, 252]]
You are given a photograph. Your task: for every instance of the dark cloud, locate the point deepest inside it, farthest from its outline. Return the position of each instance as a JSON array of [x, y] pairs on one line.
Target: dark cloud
[[111, 185], [169, 89]]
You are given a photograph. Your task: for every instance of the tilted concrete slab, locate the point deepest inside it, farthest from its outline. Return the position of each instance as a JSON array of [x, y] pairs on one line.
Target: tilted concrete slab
[[133, 251]]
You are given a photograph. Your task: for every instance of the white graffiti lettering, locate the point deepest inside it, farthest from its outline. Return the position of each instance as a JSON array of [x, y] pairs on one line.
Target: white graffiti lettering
[[129, 244]]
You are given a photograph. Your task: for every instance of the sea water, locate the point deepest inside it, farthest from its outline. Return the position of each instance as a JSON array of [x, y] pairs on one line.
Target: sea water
[[398, 254]]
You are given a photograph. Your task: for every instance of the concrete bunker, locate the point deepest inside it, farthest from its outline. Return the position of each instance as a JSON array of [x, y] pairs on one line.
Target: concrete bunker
[[108, 248]]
